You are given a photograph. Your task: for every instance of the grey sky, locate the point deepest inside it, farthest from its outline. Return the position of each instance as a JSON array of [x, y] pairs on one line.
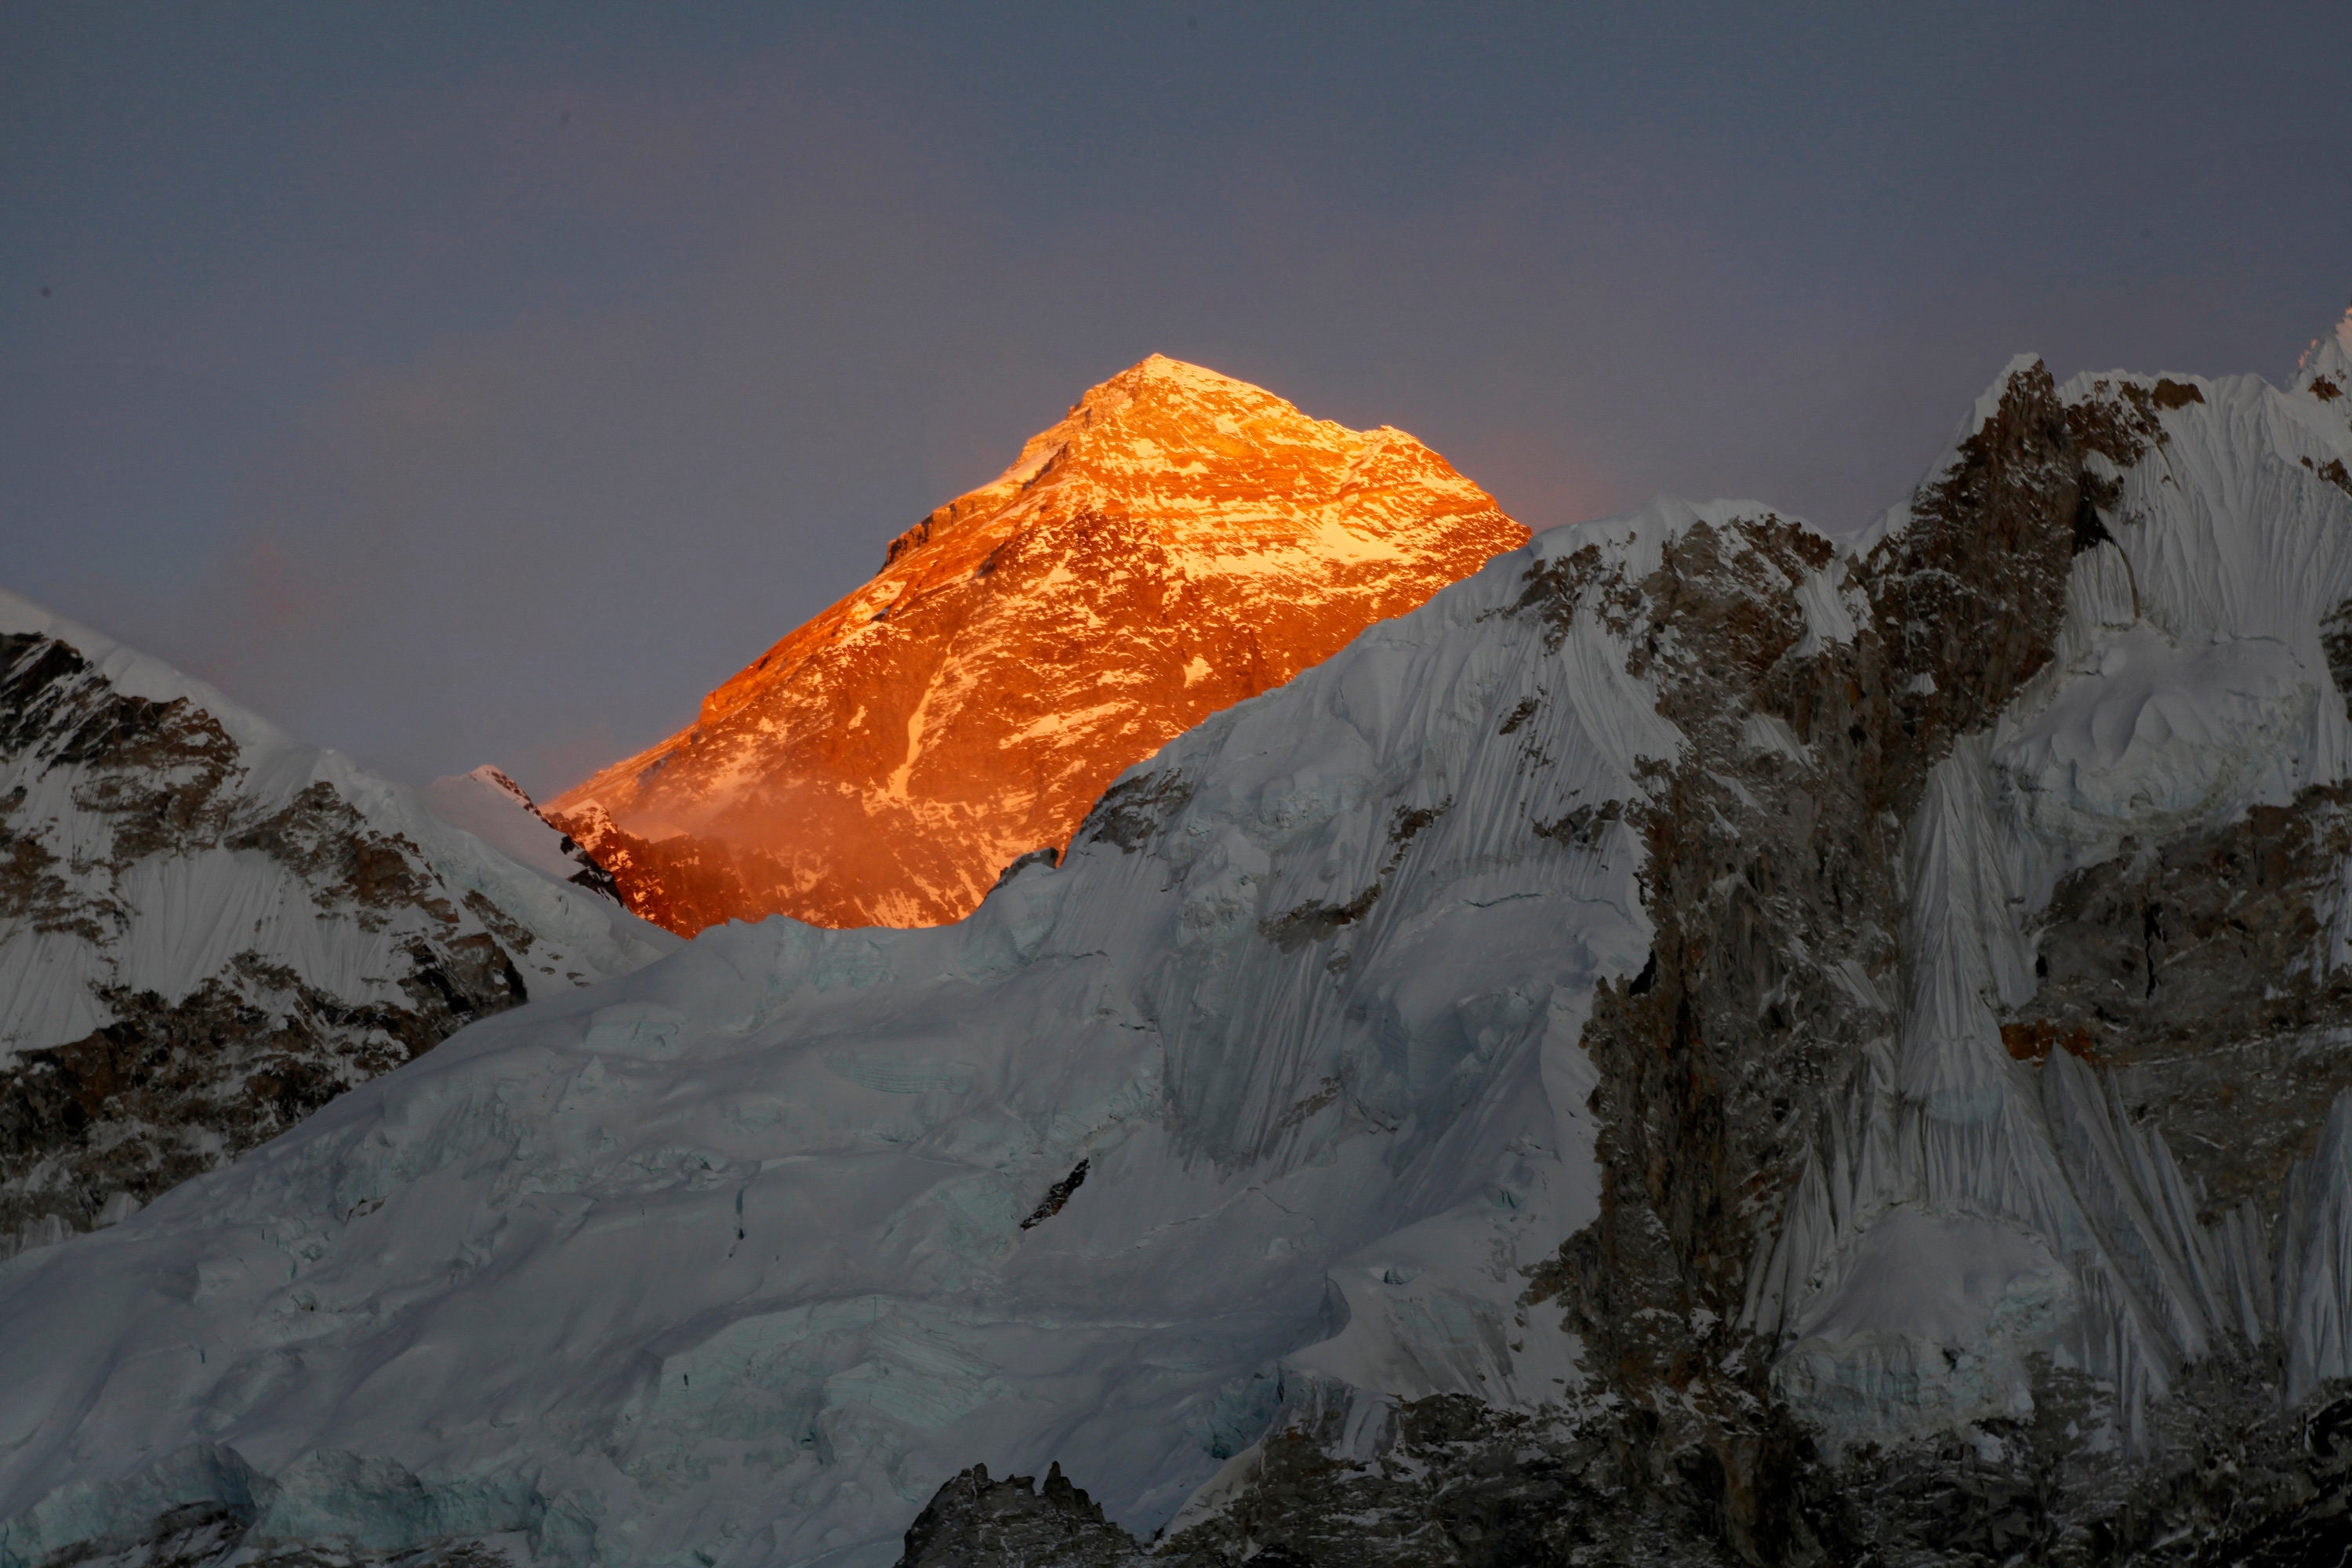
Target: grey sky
[[486, 383]]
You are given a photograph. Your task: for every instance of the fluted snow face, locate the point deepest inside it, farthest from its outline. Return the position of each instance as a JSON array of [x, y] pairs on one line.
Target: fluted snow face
[[2191, 685], [730, 1256], [1180, 542]]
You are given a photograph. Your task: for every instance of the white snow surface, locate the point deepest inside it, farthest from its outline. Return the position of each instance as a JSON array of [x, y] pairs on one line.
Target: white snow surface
[[725, 1257]]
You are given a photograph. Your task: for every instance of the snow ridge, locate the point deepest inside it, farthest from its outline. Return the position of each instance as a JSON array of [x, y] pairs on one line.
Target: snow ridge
[[1304, 996]]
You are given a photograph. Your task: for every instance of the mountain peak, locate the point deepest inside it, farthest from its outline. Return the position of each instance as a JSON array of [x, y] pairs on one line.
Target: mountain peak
[[1177, 542], [1169, 414], [1156, 376], [1159, 371]]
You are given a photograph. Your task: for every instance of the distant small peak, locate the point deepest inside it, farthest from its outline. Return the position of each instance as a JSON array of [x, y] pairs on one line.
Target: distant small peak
[[469, 787], [2325, 369], [489, 773]]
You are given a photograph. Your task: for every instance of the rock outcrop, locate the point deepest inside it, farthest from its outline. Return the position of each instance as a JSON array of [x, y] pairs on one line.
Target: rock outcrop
[[976, 1520], [1181, 542]]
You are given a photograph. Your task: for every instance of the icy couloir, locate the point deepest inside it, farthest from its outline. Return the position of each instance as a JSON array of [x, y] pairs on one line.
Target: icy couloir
[[1700, 1044], [209, 928]]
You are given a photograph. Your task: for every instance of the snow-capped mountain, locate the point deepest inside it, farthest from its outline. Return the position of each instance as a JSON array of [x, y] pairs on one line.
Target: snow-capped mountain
[[1180, 542], [207, 929], [1700, 1044]]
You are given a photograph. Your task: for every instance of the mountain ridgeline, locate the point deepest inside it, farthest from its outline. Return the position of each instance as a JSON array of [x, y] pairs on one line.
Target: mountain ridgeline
[[1701, 1044]]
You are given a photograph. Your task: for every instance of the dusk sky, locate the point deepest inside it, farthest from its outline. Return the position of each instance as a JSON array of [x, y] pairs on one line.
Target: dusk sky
[[485, 384]]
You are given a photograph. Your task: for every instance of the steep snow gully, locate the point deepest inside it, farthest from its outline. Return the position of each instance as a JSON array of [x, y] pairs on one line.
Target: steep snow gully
[[1657, 1008]]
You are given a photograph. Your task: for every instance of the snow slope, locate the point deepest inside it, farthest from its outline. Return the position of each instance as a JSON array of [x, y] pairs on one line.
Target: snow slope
[[206, 925]]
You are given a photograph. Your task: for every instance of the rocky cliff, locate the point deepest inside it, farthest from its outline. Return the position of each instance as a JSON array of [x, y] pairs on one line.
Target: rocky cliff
[[1181, 542]]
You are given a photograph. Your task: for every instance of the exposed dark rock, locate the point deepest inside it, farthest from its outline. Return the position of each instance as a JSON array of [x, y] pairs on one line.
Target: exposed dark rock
[[2244, 1481], [1292, 929], [1049, 857], [1134, 809], [1581, 826], [973, 1519], [169, 1090], [1451, 1484], [1312, 922], [2194, 969], [1055, 1196], [328, 843], [32, 890]]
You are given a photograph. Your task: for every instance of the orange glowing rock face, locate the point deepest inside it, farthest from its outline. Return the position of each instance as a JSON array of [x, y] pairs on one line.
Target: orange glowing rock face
[[1181, 542]]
